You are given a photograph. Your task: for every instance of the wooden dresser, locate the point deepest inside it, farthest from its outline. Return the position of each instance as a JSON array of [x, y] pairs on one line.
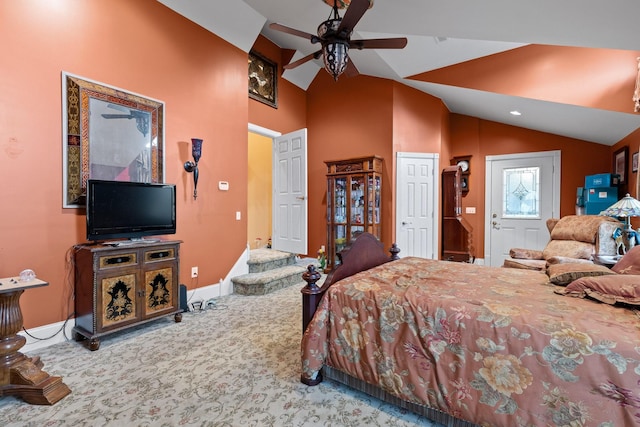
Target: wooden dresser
[[457, 233], [123, 286]]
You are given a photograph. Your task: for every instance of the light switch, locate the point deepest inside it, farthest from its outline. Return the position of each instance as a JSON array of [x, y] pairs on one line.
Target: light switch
[[238, 216], [223, 185], [470, 210]]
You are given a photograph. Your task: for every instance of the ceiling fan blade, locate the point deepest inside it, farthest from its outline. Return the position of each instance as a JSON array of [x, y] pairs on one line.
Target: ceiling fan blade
[[293, 31], [397, 43], [294, 64], [354, 13], [351, 70]]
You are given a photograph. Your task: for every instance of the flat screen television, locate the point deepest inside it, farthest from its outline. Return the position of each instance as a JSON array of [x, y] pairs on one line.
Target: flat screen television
[[130, 210]]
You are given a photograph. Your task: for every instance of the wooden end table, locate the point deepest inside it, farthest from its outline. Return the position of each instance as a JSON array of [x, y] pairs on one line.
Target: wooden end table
[[21, 375]]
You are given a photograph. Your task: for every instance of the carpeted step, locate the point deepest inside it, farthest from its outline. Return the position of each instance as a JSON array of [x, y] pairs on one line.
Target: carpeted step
[[264, 259], [267, 281]]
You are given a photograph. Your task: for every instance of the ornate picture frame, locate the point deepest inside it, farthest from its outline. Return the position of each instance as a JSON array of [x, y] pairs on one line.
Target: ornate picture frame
[[108, 133], [620, 165], [263, 79]]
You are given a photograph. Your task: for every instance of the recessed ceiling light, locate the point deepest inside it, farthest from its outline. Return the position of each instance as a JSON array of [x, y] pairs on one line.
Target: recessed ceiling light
[[515, 113]]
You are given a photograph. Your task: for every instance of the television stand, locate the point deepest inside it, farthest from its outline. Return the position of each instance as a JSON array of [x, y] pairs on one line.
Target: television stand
[[131, 242], [117, 287]]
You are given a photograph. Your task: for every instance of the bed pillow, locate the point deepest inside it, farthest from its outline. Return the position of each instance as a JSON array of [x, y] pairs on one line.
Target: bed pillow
[[563, 274], [630, 263], [611, 289], [568, 249]]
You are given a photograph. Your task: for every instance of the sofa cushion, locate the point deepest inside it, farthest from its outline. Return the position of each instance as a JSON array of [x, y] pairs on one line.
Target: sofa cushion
[[581, 228], [563, 274], [608, 289], [525, 264], [520, 253], [566, 260], [630, 263], [568, 248]]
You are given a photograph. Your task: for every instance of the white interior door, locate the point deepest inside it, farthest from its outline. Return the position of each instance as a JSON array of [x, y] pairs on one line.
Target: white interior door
[[290, 208], [416, 204], [522, 192]]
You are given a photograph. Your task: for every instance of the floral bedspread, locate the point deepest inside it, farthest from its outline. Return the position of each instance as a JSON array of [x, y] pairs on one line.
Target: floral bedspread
[[494, 346]]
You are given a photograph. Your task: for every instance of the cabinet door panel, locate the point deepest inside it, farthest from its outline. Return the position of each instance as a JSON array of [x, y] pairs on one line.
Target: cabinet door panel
[[117, 300], [159, 291]]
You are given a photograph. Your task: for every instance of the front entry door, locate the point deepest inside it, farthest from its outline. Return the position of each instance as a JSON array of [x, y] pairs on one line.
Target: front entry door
[[416, 204], [522, 192], [290, 192]]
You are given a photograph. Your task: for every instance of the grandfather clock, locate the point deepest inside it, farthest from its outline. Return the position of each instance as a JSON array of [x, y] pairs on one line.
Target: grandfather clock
[[457, 233]]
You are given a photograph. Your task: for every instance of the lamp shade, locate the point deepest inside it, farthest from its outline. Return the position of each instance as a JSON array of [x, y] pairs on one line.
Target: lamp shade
[[623, 208]]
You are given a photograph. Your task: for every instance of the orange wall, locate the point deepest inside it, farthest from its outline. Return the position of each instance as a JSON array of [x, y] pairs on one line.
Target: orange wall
[[597, 78], [632, 141], [362, 116], [481, 138], [420, 125], [143, 47], [291, 113], [348, 118]]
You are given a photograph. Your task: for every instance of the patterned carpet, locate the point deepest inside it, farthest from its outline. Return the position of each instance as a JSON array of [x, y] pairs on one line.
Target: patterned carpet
[[234, 365]]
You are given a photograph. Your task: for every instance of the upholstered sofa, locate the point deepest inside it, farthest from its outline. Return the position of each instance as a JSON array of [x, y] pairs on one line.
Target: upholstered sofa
[[574, 239]]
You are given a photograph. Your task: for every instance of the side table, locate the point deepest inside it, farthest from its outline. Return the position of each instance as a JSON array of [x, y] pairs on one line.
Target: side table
[[21, 375]]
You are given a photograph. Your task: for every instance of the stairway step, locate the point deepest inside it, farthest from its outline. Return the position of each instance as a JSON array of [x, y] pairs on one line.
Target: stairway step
[[268, 281], [268, 259]]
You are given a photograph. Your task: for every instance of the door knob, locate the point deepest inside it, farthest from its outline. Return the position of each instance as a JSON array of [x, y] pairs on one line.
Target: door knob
[[495, 225], [300, 197], [406, 223]]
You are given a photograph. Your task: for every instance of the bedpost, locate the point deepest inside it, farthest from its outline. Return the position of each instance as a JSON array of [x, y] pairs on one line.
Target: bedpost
[[311, 295], [395, 250]]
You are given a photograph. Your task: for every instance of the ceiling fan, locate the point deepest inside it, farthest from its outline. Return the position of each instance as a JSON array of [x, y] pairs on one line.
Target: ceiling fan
[[334, 35]]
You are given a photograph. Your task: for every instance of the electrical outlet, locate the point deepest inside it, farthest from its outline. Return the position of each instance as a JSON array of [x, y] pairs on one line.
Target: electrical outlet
[[194, 272]]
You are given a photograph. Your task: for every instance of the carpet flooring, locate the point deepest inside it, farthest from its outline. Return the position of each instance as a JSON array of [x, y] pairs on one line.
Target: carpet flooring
[[235, 364]]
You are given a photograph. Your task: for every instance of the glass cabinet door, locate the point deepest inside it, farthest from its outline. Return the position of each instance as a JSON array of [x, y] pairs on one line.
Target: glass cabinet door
[[340, 217], [357, 206], [353, 202], [340, 200]]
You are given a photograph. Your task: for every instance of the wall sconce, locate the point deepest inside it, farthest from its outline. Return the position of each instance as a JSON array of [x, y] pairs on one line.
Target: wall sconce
[[196, 151]]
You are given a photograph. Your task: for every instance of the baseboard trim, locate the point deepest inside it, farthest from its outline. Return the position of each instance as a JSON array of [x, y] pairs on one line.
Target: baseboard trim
[[54, 331]]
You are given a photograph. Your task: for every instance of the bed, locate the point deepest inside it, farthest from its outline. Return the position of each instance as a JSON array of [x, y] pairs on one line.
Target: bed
[[469, 345]]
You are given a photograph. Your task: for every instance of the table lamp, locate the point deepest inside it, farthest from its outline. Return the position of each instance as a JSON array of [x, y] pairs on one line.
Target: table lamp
[[625, 208]]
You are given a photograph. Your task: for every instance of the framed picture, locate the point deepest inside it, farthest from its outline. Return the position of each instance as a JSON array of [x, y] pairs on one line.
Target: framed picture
[[620, 163], [263, 79], [634, 163], [110, 134]]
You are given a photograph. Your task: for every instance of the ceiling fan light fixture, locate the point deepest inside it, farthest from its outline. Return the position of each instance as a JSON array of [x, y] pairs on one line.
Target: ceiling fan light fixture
[[342, 4], [336, 57]]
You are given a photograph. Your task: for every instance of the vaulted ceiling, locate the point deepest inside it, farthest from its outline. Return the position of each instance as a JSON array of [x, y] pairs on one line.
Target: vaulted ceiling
[[569, 67]]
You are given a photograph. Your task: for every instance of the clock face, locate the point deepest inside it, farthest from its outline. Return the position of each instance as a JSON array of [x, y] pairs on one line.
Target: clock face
[[464, 165]]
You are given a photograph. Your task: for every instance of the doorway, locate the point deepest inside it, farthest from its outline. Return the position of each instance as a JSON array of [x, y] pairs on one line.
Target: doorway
[[259, 191], [417, 204], [522, 192], [277, 167]]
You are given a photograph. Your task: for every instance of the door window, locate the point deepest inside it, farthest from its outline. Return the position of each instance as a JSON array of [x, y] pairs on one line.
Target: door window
[[521, 193]]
